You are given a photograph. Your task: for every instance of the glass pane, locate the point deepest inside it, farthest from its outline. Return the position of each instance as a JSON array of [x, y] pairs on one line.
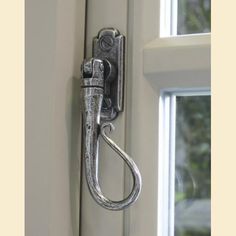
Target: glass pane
[[194, 16], [193, 166]]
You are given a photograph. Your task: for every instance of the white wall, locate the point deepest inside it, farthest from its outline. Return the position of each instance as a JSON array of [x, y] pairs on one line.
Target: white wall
[[54, 51]]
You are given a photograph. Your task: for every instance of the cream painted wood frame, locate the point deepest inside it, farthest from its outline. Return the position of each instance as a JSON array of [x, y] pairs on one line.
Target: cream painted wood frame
[[153, 64], [54, 34], [94, 219]]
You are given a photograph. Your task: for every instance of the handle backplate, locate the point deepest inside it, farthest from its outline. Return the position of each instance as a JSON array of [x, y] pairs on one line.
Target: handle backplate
[[109, 46]]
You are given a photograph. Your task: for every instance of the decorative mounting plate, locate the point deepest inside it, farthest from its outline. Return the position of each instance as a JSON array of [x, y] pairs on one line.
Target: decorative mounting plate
[[109, 46]]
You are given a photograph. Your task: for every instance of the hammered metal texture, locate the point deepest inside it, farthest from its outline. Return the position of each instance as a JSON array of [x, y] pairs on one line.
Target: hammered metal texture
[[92, 92]]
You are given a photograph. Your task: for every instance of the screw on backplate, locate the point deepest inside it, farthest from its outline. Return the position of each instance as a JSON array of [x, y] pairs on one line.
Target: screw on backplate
[[106, 42]]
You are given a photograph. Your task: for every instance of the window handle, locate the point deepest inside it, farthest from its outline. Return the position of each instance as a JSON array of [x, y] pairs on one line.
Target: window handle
[[94, 91]]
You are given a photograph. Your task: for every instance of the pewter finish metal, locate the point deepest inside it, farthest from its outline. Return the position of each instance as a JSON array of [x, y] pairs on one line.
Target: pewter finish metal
[[92, 73], [92, 98], [109, 46]]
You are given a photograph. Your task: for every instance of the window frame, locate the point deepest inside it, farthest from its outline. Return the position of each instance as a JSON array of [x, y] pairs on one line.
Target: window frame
[[169, 19], [166, 161], [156, 63]]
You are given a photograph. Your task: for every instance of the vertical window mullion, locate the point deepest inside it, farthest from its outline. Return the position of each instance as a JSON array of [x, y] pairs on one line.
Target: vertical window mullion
[[174, 17], [165, 18], [166, 170], [163, 166], [172, 124]]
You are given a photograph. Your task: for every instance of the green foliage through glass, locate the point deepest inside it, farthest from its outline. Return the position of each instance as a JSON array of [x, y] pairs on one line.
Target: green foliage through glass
[[193, 166], [194, 16]]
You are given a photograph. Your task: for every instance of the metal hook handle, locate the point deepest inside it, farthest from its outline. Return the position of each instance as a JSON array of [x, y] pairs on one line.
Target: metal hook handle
[[92, 97], [137, 182]]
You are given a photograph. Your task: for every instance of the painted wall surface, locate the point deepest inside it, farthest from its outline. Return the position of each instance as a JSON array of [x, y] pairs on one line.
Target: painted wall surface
[[54, 51]]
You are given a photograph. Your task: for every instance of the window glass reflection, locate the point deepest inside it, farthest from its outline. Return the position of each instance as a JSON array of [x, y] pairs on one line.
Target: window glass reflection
[[193, 166], [194, 16]]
